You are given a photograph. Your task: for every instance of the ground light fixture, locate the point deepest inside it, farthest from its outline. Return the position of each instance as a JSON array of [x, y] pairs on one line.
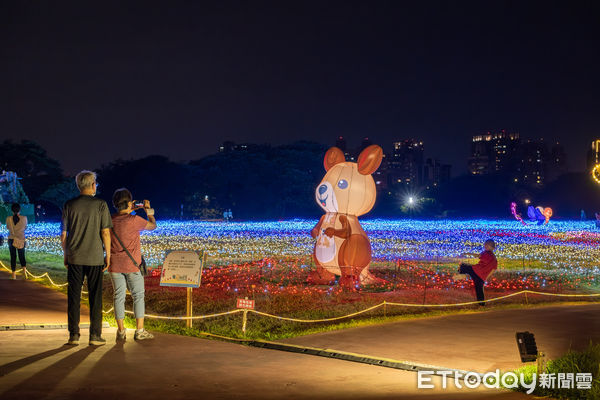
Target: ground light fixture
[[527, 346]]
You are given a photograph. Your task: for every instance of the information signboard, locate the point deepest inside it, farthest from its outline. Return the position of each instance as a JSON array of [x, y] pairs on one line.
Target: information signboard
[[182, 268]]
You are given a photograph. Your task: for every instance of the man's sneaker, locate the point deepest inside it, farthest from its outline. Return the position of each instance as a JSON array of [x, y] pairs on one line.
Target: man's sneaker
[[96, 340], [143, 335], [73, 339], [121, 335]]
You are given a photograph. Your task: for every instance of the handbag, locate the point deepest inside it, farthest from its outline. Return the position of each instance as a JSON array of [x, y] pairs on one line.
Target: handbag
[[142, 266]]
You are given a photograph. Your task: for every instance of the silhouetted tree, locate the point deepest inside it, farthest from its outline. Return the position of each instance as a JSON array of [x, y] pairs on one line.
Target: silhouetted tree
[[59, 193], [263, 182], [31, 163], [155, 178]]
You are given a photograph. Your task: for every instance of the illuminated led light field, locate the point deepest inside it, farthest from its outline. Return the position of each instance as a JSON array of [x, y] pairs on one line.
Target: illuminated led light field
[[270, 261], [560, 244]]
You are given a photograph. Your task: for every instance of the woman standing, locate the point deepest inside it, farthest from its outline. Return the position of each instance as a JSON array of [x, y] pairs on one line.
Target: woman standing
[[16, 225], [126, 256]]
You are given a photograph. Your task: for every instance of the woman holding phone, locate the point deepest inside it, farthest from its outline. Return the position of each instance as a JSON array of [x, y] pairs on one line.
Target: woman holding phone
[[126, 258]]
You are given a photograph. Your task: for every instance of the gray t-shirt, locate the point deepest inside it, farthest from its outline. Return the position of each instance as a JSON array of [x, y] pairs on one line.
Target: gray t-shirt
[[83, 219]]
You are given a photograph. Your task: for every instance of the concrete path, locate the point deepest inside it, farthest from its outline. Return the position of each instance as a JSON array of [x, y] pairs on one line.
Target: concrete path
[[480, 341], [23, 301], [37, 364]]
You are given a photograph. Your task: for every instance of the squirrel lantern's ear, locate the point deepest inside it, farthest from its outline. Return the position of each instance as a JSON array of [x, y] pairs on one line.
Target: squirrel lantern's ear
[[332, 157], [370, 159]]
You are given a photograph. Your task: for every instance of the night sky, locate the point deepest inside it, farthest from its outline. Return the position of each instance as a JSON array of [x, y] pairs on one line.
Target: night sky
[[92, 81]]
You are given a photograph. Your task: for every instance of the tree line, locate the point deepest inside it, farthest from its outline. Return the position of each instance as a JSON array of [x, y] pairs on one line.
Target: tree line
[[278, 182]]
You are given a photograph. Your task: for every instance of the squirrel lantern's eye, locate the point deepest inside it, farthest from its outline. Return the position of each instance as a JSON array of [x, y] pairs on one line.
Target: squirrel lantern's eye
[[342, 184]]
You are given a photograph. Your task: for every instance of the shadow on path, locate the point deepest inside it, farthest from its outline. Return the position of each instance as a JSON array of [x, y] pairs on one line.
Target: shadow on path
[[112, 360], [52, 375], [23, 362]]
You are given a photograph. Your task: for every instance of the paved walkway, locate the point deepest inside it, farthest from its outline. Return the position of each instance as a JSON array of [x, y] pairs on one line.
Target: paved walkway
[[480, 341], [24, 301], [36, 364]]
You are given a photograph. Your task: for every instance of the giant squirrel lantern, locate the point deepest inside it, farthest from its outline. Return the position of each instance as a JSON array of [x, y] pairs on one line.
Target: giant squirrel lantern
[[346, 192]]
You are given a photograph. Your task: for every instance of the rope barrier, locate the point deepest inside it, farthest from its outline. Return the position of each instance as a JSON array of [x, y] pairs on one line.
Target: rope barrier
[[384, 303], [44, 275], [237, 310], [317, 320]]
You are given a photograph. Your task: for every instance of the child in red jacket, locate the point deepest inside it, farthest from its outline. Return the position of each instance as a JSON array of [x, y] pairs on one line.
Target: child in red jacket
[[480, 271]]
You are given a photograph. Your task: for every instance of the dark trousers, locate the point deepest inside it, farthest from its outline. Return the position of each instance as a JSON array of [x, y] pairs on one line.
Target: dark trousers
[[75, 276], [13, 255], [468, 269]]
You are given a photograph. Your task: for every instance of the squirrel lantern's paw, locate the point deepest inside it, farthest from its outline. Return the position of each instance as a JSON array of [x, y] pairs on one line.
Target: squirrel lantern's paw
[[320, 277], [367, 278], [329, 232]]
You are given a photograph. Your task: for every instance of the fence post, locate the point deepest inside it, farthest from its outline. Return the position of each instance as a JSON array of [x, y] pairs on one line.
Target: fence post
[[188, 308], [244, 321], [385, 308]]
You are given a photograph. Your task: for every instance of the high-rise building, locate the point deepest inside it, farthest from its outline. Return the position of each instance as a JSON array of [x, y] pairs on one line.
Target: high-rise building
[[494, 153], [533, 166], [556, 163], [341, 144], [406, 163], [379, 176], [435, 173], [403, 167], [366, 142]]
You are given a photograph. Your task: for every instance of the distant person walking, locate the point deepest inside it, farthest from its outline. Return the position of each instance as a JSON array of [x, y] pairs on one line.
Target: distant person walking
[[125, 259], [85, 236], [16, 225]]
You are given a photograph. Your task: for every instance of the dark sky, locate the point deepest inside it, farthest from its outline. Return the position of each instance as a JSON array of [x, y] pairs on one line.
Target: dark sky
[[94, 80]]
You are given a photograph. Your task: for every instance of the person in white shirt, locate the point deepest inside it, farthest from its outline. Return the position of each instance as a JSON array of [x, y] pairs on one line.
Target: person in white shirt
[[16, 225]]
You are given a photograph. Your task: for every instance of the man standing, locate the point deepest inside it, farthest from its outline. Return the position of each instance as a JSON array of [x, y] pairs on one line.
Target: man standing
[[85, 229]]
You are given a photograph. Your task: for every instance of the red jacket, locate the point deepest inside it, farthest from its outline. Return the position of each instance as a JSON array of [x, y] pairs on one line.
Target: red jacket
[[487, 263]]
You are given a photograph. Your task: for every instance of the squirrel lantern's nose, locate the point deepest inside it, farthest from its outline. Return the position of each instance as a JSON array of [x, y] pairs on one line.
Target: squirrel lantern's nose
[[322, 189]]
